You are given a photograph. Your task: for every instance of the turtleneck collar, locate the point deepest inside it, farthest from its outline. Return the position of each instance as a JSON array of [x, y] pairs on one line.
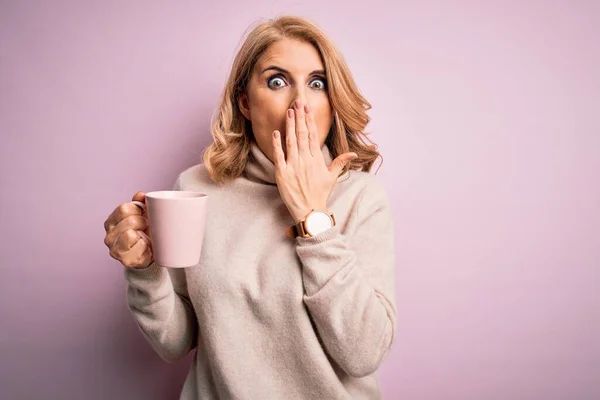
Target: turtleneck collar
[[260, 169]]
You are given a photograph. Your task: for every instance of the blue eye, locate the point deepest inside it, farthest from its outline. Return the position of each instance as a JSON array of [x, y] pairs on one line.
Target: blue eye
[[322, 83], [276, 79], [277, 82]]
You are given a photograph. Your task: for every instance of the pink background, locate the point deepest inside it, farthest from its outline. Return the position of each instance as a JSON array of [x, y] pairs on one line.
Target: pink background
[[486, 113]]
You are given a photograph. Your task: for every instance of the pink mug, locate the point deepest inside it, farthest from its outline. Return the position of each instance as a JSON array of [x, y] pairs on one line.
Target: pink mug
[[177, 220]]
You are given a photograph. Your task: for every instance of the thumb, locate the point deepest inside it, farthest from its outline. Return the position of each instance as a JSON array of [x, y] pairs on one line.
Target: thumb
[[337, 165], [139, 196]]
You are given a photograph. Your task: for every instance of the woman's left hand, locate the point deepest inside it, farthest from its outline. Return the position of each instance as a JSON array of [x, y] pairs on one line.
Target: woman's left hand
[[304, 180]]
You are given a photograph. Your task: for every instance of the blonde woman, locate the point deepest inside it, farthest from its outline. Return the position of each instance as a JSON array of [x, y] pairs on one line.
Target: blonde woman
[[293, 297]]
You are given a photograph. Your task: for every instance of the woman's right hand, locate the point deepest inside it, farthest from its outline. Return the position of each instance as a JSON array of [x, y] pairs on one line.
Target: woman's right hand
[[122, 237]]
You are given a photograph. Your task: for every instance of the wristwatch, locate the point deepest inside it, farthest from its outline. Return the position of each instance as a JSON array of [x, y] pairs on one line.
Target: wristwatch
[[314, 223]]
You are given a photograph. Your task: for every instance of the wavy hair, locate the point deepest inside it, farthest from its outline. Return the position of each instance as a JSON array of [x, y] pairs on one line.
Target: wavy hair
[[226, 157]]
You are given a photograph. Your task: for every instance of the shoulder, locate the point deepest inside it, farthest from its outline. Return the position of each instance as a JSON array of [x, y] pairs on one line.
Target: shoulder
[[370, 191], [195, 178], [368, 185]]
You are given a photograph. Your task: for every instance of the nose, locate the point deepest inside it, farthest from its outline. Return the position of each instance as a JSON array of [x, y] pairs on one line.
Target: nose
[[299, 94]]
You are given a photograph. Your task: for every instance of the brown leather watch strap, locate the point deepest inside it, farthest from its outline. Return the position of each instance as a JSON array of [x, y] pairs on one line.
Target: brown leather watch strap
[[291, 232], [294, 231]]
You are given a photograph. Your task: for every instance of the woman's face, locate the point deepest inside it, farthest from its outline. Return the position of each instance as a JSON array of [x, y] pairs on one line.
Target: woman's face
[[288, 70]]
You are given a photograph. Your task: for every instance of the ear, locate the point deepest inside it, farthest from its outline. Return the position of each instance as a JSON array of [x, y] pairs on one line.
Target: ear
[[244, 106]]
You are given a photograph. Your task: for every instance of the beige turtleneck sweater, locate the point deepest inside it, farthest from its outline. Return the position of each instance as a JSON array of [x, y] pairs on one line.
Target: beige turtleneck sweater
[[273, 318]]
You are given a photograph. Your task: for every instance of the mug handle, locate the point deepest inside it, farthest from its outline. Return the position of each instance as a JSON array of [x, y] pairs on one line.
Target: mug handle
[[143, 207]]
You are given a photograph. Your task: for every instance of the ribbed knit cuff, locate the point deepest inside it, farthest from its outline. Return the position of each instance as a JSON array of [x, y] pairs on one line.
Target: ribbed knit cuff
[[320, 238], [322, 257], [151, 272]]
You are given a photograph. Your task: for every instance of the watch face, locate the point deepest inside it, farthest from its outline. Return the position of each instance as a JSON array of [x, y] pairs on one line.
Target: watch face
[[318, 222]]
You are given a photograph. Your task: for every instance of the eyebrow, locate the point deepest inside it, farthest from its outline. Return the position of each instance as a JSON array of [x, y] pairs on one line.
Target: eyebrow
[[276, 68]]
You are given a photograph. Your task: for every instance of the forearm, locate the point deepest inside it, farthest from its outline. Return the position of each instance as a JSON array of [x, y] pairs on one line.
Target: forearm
[[165, 317], [355, 319]]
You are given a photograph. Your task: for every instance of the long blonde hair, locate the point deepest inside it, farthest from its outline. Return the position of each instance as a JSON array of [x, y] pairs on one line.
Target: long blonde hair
[[226, 157]]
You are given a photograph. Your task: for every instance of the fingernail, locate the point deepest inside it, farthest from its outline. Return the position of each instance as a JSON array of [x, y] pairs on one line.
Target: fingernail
[[276, 134], [291, 113], [297, 103], [306, 109]]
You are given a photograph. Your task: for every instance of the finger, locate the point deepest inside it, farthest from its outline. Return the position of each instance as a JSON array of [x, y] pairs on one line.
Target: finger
[[124, 242], [139, 196], [136, 222], [141, 261], [139, 199], [139, 256], [301, 129], [278, 154], [120, 213], [337, 165], [290, 137], [313, 133], [132, 250]]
